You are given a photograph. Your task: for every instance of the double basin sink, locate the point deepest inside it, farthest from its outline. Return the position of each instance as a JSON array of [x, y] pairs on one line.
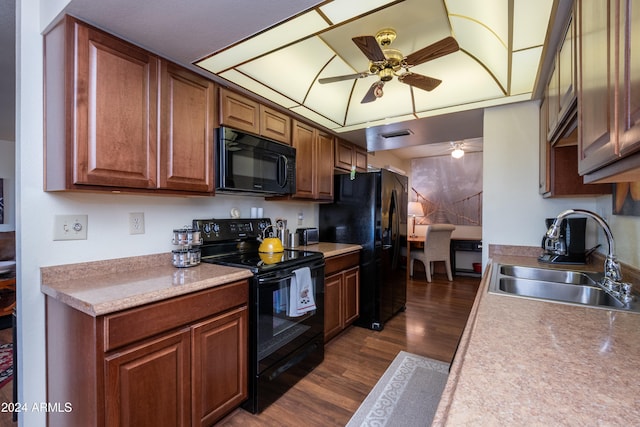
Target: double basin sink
[[554, 285]]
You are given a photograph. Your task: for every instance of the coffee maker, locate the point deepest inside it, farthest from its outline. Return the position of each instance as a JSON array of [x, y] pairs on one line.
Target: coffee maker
[[570, 246]]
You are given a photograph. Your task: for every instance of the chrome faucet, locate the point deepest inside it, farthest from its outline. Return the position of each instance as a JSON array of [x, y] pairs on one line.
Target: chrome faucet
[[612, 282]]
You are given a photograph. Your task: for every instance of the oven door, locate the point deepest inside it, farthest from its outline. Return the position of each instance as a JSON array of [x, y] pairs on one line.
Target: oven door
[[281, 329]]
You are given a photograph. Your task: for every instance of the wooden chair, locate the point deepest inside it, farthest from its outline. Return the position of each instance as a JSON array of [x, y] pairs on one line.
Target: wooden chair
[[436, 248]]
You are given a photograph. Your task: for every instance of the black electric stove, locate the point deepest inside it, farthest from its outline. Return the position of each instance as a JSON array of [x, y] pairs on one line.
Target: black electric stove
[[285, 344], [235, 242]]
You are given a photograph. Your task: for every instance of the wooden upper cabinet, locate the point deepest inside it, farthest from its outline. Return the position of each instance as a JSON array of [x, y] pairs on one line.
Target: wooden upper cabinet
[[609, 90], [239, 112], [560, 93], [629, 57], [596, 90], [187, 117], [324, 160], [348, 155], [306, 168], [343, 153], [314, 162], [275, 125], [566, 73], [118, 118], [362, 162], [243, 113], [108, 133]]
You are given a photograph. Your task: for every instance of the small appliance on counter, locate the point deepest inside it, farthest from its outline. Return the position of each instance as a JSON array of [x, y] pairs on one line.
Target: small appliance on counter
[[570, 247], [308, 236]]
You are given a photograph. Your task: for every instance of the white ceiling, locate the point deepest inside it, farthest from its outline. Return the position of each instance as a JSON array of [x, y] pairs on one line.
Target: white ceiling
[[501, 44], [188, 32]]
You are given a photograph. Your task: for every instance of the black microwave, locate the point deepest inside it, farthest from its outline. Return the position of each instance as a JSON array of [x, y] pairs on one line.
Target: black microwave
[[249, 164]]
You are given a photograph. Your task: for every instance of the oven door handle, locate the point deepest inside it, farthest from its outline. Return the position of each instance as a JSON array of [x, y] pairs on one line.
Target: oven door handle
[[278, 278]]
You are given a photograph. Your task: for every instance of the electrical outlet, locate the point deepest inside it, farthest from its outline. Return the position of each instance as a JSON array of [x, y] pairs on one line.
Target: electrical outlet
[[136, 223], [70, 227]]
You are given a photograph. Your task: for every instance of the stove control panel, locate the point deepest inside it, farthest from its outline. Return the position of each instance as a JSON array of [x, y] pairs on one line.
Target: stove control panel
[[216, 230]]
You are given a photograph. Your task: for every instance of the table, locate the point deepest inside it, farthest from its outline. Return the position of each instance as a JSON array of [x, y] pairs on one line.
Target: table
[[458, 244]]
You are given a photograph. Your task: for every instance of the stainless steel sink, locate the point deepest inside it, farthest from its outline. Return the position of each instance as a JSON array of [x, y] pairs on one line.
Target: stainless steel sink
[[549, 275], [563, 286]]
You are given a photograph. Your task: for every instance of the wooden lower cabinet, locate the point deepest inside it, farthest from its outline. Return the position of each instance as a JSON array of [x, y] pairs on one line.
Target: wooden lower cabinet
[[342, 293], [177, 362], [137, 395], [219, 366]]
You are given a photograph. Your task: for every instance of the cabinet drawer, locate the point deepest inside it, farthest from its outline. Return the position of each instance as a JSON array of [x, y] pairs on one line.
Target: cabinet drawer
[[139, 323], [341, 262]]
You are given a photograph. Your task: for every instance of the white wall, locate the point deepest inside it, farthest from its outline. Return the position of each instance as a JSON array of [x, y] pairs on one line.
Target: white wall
[[8, 174], [513, 211]]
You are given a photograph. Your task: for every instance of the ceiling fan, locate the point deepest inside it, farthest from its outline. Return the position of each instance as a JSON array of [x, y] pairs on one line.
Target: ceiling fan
[[385, 62]]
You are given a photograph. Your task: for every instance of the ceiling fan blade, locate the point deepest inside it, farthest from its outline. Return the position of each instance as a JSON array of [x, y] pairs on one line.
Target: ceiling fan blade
[[345, 77], [436, 50], [420, 81], [374, 92], [370, 47]]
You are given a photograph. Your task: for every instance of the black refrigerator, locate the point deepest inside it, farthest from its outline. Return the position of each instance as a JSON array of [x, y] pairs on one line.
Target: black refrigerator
[[370, 209]]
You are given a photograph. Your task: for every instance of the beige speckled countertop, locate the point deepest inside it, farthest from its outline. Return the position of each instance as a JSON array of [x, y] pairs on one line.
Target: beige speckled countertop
[[527, 362], [330, 249], [103, 287]]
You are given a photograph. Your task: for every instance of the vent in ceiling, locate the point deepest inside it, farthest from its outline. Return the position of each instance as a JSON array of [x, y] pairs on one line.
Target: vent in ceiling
[[396, 134]]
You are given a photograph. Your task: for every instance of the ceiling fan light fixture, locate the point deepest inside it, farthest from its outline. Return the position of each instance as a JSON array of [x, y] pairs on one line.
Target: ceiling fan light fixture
[[378, 89], [457, 152], [386, 37]]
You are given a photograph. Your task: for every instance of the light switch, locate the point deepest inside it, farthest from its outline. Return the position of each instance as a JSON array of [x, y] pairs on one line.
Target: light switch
[[70, 227]]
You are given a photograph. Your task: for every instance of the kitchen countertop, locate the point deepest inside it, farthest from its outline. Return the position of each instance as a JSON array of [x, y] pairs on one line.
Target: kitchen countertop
[[330, 249], [528, 362], [102, 287]]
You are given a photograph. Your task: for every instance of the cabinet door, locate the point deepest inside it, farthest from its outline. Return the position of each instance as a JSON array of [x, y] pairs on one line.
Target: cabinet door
[[239, 112], [596, 84], [219, 366], [187, 126], [629, 99], [566, 73], [351, 295], [149, 385], [303, 142], [343, 155], [324, 161], [553, 101], [543, 178], [115, 87], [275, 125], [361, 159], [333, 306]]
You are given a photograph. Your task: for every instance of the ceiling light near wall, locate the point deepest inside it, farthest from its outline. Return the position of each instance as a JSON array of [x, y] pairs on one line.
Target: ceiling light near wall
[[457, 150]]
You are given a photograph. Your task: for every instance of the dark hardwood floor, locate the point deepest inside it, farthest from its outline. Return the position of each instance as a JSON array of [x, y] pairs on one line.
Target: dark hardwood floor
[[354, 361]]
